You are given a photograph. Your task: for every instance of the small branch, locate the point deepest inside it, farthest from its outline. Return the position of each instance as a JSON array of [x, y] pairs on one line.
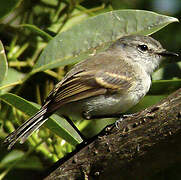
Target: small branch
[[150, 143]]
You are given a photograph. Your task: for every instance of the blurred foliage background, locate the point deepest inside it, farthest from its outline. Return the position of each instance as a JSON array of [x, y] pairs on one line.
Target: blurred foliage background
[[23, 45]]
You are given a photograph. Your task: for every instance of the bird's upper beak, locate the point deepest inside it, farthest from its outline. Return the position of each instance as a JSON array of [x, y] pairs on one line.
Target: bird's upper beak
[[167, 53]]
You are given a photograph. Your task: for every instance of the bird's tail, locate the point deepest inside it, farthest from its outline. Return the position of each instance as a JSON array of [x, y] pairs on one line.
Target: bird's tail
[[27, 128]]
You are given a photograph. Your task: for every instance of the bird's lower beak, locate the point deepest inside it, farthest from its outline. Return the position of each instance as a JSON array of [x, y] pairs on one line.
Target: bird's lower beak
[[167, 53]]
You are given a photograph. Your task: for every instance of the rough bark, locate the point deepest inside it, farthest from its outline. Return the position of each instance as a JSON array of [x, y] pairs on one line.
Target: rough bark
[[149, 143]]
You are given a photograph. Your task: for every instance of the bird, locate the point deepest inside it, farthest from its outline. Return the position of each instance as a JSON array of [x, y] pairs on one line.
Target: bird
[[106, 84]]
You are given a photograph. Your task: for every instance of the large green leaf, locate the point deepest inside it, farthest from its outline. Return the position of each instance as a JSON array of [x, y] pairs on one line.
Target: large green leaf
[[3, 63], [56, 124], [6, 6], [98, 32]]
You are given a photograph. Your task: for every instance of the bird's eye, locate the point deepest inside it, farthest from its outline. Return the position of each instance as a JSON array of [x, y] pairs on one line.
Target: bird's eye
[[143, 47]]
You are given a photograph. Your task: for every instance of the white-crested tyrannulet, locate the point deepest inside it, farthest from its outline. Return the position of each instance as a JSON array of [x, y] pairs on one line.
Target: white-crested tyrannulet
[[105, 84]]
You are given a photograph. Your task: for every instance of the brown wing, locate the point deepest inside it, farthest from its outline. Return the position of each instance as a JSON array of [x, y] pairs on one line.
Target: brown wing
[[88, 83], [77, 87], [80, 86]]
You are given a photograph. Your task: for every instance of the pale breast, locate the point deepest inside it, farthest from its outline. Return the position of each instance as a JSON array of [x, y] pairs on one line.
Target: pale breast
[[143, 83]]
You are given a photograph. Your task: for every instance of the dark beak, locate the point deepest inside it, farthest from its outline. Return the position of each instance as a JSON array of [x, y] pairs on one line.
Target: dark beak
[[167, 53]]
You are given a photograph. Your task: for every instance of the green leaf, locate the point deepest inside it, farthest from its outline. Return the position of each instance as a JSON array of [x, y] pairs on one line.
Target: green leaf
[[55, 123], [13, 76], [169, 71], [6, 6], [165, 86], [37, 30], [12, 157], [147, 101], [32, 162], [3, 63], [98, 32]]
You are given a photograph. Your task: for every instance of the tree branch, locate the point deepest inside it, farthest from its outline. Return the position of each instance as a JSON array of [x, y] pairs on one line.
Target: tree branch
[[150, 143]]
